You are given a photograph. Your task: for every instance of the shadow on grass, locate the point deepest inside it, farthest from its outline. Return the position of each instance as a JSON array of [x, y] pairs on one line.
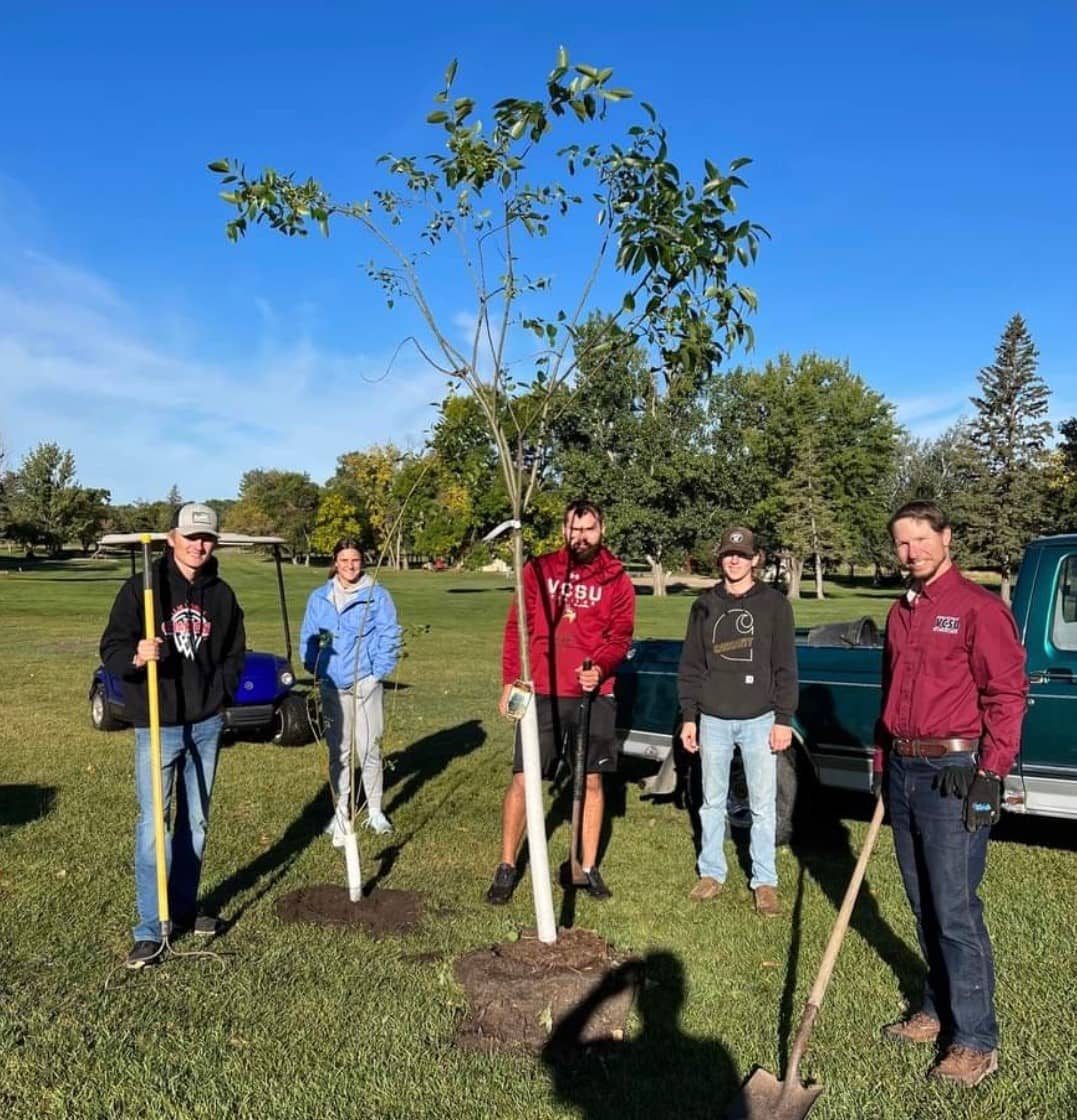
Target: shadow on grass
[[823, 848], [21, 804], [413, 767], [1036, 832], [614, 789], [825, 851], [266, 870], [661, 1072]]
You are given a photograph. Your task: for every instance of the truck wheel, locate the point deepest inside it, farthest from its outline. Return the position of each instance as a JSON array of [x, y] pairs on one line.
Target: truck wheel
[[291, 724], [738, 810], [100, 716]]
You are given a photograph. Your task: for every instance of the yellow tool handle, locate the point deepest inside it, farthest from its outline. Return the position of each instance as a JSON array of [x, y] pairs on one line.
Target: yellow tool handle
[[155, 742]]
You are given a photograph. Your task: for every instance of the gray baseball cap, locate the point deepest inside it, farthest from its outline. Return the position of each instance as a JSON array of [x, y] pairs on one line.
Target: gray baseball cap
[[194, 520]]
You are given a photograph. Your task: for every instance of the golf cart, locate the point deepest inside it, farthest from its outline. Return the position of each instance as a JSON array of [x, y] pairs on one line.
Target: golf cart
[[265, 703]]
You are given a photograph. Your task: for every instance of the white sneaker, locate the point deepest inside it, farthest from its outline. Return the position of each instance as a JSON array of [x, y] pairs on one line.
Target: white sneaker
[[379, 822]]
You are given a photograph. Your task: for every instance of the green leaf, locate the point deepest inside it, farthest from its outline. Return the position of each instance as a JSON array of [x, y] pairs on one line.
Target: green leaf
[[562, 58], [450, 73], [220, 166], [438, 116]]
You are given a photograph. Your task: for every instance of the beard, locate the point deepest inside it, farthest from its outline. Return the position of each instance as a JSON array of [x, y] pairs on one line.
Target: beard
[[584, 554]]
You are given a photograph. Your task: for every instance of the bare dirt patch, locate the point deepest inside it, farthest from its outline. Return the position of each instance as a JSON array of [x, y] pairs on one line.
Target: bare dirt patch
[[380, 914], [520, 991]]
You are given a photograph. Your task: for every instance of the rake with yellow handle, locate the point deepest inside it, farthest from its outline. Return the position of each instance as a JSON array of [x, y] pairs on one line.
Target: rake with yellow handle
[[155, 745]]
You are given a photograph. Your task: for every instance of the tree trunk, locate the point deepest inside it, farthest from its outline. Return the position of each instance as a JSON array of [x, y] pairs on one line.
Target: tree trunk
[[659, 576], [796, 570], [1006, 590], [819, 577]]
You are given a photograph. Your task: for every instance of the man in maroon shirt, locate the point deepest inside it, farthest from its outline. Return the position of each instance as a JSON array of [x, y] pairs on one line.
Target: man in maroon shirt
[[954, 690], [580, 606]]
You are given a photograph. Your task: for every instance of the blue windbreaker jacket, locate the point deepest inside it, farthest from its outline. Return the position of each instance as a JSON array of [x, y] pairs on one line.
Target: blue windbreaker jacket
[[363, 640]]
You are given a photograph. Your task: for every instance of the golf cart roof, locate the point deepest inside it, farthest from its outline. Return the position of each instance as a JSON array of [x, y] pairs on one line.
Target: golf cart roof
[[235, 539]]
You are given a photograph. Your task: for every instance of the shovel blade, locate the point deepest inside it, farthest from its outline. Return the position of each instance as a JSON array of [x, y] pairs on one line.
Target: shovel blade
[[764, 1097]]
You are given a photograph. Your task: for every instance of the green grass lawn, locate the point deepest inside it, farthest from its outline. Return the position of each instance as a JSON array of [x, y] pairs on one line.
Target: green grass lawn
[[312, 1022]]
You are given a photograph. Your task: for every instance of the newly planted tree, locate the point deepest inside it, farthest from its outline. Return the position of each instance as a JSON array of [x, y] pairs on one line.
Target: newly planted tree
[[494, 193]]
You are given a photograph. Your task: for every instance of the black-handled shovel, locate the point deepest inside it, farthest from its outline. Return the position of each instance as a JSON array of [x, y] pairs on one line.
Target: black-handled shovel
[[579, 764]]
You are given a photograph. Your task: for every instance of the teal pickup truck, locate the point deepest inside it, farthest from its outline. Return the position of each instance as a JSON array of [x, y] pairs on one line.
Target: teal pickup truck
[[840, 668]]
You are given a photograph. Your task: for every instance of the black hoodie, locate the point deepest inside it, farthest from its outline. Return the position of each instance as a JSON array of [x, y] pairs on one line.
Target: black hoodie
[[203, 648], [739, 656]]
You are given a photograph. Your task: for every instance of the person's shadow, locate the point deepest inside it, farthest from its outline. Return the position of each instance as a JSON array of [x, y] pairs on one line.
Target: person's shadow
[[412, 769], [661, 1072], [824, 850], [409, 770], [267, 869]]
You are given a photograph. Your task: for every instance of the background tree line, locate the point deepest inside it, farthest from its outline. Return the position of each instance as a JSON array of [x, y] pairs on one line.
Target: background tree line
[[802, 450]]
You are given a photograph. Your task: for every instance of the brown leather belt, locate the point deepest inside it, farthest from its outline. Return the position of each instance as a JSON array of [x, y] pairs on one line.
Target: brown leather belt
[[933, 748]]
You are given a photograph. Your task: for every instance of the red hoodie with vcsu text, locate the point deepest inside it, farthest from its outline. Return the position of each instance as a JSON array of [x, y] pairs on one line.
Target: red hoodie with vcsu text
[[574, 612]]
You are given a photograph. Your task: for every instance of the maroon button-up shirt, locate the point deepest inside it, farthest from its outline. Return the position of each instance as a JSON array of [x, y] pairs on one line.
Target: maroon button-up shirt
[[955, 668]]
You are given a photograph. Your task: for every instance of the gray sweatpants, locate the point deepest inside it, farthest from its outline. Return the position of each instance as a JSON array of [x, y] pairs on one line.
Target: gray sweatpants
[[353, 721]]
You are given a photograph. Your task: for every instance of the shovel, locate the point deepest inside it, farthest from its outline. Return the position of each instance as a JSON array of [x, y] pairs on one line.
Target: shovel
[[763, 1096], [579, 763]]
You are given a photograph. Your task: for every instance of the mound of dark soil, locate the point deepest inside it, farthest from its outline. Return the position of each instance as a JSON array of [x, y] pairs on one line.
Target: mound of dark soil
[[379, 914], [521, 991]]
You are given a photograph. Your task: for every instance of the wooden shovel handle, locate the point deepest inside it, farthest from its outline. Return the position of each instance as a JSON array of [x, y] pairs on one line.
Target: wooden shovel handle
[[837, 936]]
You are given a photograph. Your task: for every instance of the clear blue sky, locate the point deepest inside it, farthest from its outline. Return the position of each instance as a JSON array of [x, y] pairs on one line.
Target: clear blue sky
[[916, 165]]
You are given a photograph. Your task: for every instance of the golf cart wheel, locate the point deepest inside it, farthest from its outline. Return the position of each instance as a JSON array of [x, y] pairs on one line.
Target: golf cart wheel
[[291, 723], [100, 715], [737, 808]]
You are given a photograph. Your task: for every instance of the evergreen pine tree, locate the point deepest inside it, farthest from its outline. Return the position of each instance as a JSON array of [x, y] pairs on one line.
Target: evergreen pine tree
[[1009, 432]]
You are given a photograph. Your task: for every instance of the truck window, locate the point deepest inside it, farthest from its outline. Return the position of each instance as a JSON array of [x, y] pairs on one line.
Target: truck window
[[1064, 621]]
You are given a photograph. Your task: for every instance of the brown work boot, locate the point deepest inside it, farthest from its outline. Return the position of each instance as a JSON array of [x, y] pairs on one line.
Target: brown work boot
[[766, 901], [964, 1067], [705, 889], [918, 1027]]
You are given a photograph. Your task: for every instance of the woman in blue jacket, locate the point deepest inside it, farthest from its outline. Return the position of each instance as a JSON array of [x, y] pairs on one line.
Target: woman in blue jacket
[[351, 642]]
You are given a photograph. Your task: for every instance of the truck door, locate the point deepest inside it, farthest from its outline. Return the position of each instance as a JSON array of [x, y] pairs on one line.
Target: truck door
[[1048, 758]]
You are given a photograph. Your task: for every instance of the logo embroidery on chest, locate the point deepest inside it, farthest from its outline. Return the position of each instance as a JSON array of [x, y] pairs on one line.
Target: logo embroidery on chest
[[947, 624], [739, 622], [187, 628], [573, 596]]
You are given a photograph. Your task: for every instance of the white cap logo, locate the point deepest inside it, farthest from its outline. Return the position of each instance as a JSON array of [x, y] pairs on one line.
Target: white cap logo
[[736, 538]]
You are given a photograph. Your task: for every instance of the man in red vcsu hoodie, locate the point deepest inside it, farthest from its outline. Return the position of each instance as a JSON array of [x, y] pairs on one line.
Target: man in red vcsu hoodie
[[580, 606]]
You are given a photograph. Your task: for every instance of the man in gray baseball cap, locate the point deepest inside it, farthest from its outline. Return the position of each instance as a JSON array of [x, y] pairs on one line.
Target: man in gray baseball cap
[[199, 647]]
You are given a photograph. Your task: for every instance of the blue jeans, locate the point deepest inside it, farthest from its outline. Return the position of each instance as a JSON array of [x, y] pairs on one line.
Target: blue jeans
[[190, 751], [717, 738], [942, 864]]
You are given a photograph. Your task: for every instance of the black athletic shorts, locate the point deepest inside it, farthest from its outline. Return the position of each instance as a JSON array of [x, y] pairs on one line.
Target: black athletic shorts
[[557, 721]]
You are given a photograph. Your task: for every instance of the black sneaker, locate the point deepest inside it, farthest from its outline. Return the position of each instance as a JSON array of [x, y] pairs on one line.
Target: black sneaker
[[143, 953], [503, 885], [595, 887], [202, 925], [208, 925]]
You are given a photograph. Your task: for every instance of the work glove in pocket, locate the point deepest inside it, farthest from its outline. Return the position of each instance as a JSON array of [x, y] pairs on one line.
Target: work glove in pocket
[[955, 781], [982, 803]]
